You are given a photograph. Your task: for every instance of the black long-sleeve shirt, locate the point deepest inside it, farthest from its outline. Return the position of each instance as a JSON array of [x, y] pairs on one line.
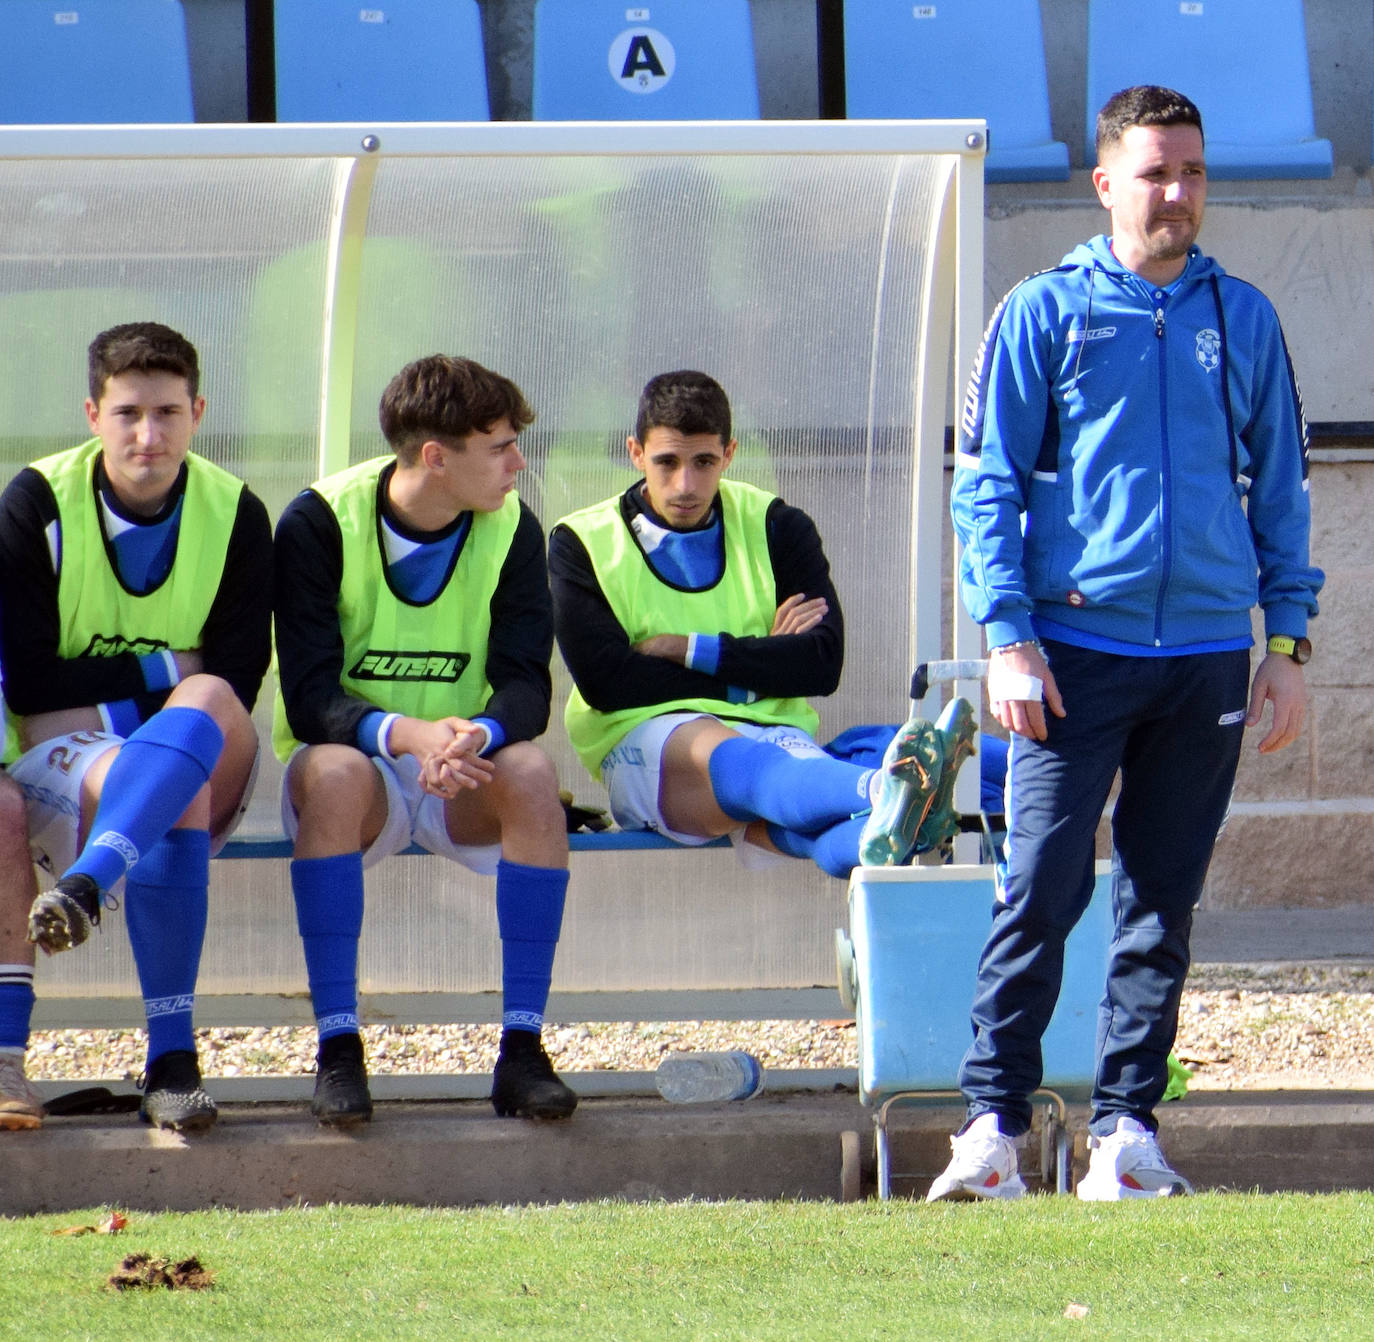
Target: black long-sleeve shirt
[[612, 675], [310, 646], [235, 642]]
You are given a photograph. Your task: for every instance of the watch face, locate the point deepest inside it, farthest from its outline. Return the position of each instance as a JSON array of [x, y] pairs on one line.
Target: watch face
[[1302, 651]]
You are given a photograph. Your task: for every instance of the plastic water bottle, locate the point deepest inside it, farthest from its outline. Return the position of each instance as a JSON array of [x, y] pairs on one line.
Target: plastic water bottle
[[696, 1078]]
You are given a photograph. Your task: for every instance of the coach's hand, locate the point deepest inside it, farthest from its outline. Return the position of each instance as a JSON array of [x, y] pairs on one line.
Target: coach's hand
[[1024, 716], [1279, 681]]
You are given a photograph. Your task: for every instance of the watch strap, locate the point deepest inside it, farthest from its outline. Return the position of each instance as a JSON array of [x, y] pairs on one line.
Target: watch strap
[[1284, 645]]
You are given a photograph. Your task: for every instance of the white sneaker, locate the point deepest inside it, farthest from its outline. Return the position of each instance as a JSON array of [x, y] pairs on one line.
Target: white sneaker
[[1129, 1164], [984, 1165], [20, 1104]]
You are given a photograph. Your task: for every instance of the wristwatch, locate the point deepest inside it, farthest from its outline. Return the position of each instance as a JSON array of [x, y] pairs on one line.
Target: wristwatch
[[1299, 649]]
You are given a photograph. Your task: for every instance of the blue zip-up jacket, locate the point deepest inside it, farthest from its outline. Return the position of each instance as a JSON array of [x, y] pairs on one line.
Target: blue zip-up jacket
[[1132, 465]]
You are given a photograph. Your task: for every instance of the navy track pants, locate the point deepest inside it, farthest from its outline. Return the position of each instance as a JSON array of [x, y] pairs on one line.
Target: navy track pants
[[1172, 726]]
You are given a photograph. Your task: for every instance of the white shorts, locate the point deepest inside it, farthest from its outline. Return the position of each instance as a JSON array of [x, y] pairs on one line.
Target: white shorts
[[632, 771], [412, 816], [50, 776]]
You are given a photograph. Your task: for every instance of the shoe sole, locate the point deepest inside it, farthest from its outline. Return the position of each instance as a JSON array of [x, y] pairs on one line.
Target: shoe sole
[[1120, 1193], [350, 1120], [197, 1122], [917, 759], [965, 1193], [20, 1122], [544, 1114], [956, 730], [956, 1195], [57, 923]]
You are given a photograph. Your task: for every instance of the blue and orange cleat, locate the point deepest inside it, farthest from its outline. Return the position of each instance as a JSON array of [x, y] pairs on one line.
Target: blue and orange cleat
[[906, 786], [956, 729], [913, 810]]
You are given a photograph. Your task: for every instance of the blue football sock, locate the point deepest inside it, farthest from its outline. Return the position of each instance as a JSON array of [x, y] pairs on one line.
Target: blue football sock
[[154, 778], [834, 850], [329, 914], [165, 900], [529, 913], [756, 780], [16, 1006]]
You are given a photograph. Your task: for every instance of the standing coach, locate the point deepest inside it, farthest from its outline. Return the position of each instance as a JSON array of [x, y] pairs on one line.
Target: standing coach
[[1131, 482]]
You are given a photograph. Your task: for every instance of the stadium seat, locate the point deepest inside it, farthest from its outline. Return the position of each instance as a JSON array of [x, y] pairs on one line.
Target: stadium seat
[[1243, 62], [673, 60], [958, 58], [410, 60], [94, 62]]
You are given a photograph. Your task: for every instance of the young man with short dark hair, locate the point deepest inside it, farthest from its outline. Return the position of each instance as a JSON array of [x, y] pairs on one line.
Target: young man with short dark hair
[[696, 614], [135, 629], [413, 640]]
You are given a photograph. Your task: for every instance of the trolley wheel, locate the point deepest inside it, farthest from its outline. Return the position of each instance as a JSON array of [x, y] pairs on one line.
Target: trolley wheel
[[844, 969], [851, 1167]]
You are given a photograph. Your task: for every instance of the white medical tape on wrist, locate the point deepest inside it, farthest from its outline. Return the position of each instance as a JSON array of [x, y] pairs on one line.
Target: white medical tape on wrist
[[1004, 684]]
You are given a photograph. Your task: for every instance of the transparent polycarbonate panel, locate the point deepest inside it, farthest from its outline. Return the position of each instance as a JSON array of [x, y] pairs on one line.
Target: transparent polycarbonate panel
[[634, 921], [797, 280], [85, 245]]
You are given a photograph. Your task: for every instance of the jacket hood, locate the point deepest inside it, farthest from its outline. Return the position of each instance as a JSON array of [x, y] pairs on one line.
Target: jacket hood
[[1096, 254]]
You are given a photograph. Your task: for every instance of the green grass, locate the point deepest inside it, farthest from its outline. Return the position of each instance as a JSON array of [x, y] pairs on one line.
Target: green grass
[[1211, 1267]]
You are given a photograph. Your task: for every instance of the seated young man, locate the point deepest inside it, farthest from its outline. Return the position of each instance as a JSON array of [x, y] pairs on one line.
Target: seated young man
[[414, 633], [696, 614], [135, 629]]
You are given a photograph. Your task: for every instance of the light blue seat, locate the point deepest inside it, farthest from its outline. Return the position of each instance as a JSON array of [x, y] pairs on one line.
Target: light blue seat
[[407, 60], [958, 58], [93, 62], [1243, 62], [670, 60]]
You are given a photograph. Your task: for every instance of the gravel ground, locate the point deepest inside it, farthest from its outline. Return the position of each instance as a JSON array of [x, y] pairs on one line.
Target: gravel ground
[[1255, 1027]]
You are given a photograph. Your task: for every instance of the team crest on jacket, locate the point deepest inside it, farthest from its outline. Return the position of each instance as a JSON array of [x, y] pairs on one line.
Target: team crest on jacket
[[382, 664], [1208, 349]]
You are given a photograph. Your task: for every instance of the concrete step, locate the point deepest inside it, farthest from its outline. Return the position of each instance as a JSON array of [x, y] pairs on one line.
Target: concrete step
[[446, 1153]]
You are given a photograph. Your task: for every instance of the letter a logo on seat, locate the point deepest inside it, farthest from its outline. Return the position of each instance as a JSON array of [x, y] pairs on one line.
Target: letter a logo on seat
[[641, 60]]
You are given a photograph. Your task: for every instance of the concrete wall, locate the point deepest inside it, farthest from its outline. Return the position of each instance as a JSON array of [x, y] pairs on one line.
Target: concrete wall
[[1312, 254], [1302, 828]]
